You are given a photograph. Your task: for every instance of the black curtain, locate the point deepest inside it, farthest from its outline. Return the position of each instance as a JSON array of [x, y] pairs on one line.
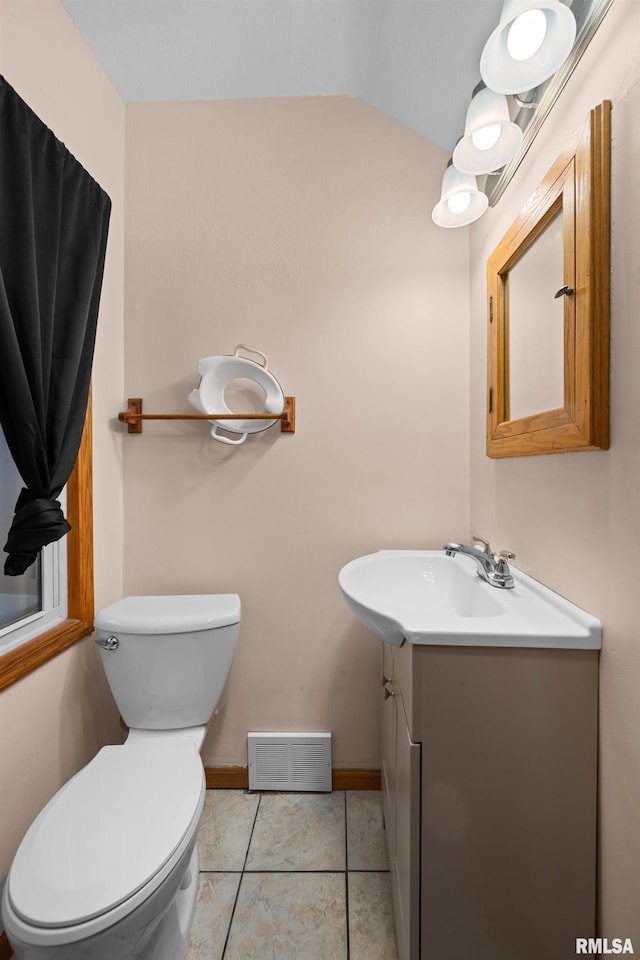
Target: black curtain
[[54, 220]]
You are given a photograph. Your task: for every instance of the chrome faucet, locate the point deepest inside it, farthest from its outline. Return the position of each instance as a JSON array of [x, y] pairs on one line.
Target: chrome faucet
[[494, 569]]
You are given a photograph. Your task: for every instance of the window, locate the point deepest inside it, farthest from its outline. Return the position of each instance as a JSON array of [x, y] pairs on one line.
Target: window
[[50, 618], [37, 600]]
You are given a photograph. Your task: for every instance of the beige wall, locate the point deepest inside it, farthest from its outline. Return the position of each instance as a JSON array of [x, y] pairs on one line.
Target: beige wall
[[574, 519], [53, 721], [302, 227]]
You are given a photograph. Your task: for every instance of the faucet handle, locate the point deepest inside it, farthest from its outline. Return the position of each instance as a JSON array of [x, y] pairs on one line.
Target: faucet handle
[[507, 555], [502, 576], [483, 543]]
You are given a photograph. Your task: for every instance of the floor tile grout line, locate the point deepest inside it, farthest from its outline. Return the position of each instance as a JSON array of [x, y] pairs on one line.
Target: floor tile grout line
[[253, 827], [235, 901], [346, 876], [233, 911], [346, 833]]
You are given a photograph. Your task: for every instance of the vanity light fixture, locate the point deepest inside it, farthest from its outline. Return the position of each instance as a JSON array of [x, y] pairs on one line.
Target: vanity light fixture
[[460, 200], [490, 138], [532, 40]]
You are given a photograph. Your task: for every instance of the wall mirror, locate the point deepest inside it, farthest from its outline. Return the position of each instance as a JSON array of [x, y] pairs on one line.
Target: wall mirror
[[548, 309]]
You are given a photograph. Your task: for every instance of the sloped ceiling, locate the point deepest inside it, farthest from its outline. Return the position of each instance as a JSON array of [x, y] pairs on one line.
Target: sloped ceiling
[[416, 60]]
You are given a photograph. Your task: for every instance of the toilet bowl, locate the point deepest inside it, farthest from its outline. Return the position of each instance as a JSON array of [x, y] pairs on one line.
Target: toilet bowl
[[109, 868]]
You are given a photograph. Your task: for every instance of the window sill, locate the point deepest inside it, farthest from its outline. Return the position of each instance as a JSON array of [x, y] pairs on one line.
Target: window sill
[[19, 662]]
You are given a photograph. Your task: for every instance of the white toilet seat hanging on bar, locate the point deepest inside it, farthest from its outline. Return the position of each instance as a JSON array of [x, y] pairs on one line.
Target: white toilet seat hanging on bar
[[217, 373]]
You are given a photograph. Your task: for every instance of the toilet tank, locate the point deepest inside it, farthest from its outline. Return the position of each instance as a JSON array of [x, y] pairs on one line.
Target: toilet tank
[[172, 657]]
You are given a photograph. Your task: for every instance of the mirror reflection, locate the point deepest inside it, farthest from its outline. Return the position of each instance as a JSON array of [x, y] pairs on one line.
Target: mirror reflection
[[536, 326]]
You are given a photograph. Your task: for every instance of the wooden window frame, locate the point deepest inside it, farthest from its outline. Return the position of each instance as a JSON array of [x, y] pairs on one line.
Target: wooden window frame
[[579, 184], [33, 653]]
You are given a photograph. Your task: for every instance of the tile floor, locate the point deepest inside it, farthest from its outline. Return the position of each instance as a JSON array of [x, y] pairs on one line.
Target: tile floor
[[292, 876]]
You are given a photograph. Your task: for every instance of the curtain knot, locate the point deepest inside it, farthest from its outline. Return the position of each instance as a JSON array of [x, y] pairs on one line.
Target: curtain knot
[[36, 522]]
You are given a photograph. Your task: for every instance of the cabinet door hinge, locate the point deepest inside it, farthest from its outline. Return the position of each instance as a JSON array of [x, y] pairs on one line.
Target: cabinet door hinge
[[491, 309], [490, 399]]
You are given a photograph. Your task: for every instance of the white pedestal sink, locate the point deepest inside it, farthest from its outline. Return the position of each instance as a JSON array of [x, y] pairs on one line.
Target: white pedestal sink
[[426, 597]]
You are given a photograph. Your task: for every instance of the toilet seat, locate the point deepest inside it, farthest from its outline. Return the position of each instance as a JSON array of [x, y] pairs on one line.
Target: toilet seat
[[217, 373], [107, 839]]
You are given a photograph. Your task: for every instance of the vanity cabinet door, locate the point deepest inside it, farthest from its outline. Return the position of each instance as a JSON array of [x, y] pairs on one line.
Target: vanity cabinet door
[[509, 788], [405, 862], [401, 808], [388, 747]]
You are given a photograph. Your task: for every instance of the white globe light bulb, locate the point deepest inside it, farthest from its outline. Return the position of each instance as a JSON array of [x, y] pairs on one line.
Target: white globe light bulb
[[526, 34], [486, 137], [459, 202]]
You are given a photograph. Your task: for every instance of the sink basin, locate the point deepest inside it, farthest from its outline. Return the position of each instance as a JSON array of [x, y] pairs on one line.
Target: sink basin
[[425, 597]]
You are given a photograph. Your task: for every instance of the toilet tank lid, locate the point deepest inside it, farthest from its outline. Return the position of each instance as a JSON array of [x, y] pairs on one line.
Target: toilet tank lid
[[170, 614]]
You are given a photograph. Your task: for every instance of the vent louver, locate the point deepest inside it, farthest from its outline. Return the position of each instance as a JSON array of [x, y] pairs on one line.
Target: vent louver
[[290, 761]]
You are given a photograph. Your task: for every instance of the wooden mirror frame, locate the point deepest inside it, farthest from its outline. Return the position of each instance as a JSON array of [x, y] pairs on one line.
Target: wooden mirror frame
[[33, 653], [578, 183]]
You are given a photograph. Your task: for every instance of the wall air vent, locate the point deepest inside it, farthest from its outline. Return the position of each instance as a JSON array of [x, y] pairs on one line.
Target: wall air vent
[[290, 761]]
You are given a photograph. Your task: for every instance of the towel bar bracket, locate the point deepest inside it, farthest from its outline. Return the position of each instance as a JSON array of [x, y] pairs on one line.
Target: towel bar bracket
[[134, 416]]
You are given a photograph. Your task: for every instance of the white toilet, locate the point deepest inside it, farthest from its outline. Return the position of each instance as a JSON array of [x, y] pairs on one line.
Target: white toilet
[[109, 869]]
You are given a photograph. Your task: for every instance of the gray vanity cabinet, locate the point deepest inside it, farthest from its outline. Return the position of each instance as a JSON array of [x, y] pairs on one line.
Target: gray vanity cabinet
[[489, 797]]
